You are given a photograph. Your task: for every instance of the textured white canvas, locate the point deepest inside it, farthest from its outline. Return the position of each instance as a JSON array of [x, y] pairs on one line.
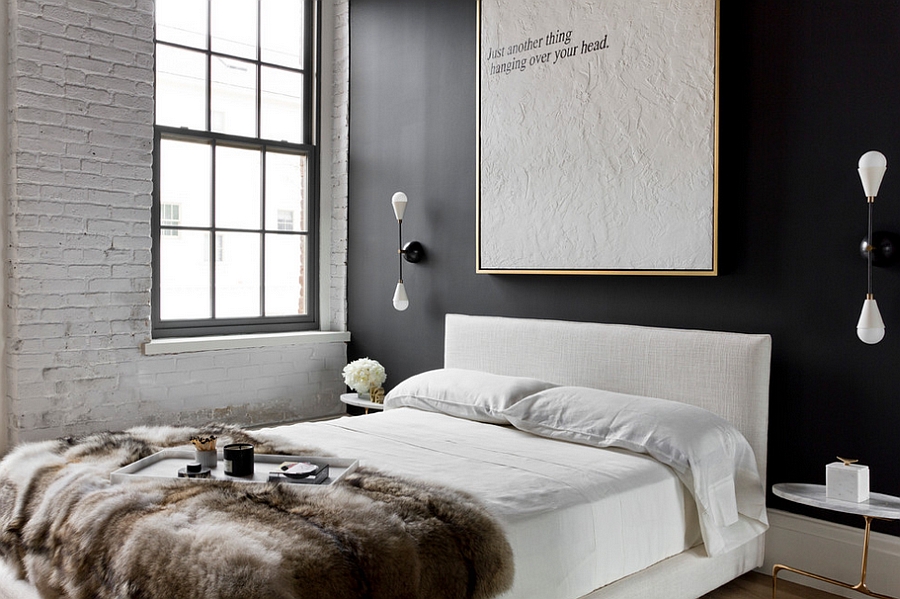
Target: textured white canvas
[[597, 135]]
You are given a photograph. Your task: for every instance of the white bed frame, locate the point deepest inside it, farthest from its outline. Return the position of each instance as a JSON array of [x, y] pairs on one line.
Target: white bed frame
[[725, 373]]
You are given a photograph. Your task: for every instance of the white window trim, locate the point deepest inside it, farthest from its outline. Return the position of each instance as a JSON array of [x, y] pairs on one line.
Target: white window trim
[[182, 345], [333, 223]]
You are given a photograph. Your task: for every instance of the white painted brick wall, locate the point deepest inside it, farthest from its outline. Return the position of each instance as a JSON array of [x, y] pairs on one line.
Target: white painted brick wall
[[81, 108], [340, 152]]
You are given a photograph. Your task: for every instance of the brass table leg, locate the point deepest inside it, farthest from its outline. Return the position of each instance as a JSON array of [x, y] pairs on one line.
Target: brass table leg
[[859, 586]]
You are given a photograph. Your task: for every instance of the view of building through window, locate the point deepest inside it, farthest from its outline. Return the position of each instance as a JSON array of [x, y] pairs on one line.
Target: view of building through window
[[234, 159]]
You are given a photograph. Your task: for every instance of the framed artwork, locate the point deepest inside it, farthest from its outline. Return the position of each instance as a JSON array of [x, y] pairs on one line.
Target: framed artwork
[[597, 137]]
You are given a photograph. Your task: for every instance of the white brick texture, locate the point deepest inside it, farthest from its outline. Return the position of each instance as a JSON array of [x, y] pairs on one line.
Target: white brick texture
[[80, 89]]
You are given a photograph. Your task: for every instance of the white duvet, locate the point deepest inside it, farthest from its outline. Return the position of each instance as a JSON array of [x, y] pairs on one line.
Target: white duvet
[[577, 517], [708, 454]]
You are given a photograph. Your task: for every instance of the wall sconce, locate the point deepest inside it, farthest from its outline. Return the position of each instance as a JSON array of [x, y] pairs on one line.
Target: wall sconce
[[411, 252], [877, 247]]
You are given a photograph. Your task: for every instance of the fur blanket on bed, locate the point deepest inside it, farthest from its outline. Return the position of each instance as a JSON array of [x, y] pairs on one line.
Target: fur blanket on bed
[[71, 533]]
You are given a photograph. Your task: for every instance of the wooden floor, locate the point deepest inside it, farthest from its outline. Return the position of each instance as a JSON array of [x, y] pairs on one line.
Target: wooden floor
[[754, 585]]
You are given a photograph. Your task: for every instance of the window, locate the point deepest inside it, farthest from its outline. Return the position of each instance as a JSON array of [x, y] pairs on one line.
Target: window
[[169, 219], [234, 167], [285, 220]]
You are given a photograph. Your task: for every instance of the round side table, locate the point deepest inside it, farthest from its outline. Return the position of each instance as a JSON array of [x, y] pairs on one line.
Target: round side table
[[353, 399], [878, 506]]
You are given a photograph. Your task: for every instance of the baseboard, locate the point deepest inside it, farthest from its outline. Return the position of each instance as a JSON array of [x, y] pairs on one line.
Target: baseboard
[[831, 550]]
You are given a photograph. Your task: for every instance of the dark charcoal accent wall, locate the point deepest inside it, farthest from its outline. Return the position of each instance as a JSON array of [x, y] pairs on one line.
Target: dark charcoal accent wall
[[806, 88]]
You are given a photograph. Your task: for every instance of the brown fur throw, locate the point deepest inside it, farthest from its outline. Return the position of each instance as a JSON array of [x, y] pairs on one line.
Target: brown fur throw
[[71, 533]]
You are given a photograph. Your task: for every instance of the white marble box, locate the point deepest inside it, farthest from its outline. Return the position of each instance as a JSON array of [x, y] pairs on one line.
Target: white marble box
[[847, 482]]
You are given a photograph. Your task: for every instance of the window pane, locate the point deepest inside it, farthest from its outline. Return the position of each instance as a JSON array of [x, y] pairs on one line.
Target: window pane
[[233, 102], [237, 188], [281, 23], [184, 180], [182, 22], [282, 105], [285, 220], [234, 27], [170, 216], [180, 88], [237, 276], [184, 275], [285, 191], [285, 275]]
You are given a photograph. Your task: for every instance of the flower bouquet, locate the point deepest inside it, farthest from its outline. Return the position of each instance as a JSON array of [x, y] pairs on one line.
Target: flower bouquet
[[365, 376]]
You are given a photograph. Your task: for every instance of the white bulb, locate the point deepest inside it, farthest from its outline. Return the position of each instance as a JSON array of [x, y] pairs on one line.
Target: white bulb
[[401, 301], [870, 336], [870, 328], [872, 158], [872, 166], [398, 201]]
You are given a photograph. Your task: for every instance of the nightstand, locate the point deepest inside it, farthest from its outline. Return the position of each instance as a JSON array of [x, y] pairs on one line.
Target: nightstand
[[878, 506], [353, 399]]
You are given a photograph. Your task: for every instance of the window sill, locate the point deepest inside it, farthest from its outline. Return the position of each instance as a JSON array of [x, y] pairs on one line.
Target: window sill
[[197, 344]]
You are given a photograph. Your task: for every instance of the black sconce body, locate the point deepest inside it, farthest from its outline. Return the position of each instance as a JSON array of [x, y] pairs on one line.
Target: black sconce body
[[413, 252], [885, 248]]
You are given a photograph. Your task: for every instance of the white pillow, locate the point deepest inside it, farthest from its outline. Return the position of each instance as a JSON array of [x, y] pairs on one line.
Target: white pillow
[[463, 393], [708, 454]]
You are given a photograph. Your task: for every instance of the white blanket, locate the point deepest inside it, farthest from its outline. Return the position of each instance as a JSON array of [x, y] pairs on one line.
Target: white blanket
[[577, 517], [708, 454]]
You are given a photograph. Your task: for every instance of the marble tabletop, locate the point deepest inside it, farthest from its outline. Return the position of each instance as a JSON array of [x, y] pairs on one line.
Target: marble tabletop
[[877, 506], [354, 399]]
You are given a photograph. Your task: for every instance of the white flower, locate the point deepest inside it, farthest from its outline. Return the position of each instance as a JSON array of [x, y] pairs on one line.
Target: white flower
[[364, 374]]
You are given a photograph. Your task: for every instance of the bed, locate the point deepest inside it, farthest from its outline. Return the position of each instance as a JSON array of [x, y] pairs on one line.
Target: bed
[[725, 373], [510, 420], [576, 549]]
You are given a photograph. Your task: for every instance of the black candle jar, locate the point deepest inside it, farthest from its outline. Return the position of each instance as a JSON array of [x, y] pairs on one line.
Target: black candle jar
[[238, 458]]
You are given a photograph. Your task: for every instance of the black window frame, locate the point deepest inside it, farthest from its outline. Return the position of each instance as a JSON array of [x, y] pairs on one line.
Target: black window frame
[[309, 147]]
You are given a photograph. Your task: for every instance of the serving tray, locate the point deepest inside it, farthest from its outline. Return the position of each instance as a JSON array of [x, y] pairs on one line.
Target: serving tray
[[165, 464]]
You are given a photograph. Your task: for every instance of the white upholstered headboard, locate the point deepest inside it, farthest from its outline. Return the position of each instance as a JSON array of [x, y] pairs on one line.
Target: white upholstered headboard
[[725, 373]]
